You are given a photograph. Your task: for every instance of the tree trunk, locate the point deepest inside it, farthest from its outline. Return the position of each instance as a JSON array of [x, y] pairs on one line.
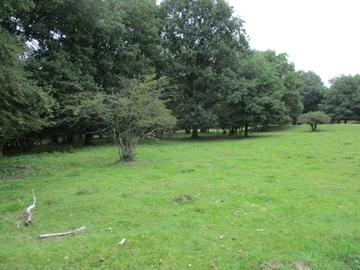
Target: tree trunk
[[55, 138], [70, 137], [187, 131], [313, 127], [246, 130], [264, 127], [27, 145], [88, 139], [232, 131], [195, 134], [63, 139], [89, 136], [2, 143]]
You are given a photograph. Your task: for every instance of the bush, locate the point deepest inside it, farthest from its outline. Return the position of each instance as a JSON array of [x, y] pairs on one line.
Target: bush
[[314, 118]]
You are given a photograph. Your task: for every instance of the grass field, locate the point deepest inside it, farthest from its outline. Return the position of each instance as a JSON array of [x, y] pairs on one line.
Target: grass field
[[284, 199]]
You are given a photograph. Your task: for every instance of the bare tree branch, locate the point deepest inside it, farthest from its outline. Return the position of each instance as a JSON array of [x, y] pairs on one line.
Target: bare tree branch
[[42, 236], [28, 213]]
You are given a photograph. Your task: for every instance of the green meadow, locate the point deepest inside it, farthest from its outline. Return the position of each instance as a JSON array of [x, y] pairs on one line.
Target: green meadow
[[283, 199]]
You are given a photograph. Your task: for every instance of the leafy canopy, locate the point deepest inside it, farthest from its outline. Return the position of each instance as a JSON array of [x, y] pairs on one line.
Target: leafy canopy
[[24, 106], [312, 90], [201, 41], [257, 94], [342, 99], [292, 84]]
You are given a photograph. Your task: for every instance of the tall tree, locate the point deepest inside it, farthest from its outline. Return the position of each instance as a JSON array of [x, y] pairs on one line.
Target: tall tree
[[311, 91], [291, 81], [126, 40], [12, 14], [257, 95], [59, 34], [62, 33], [24, 106], [342, 99], [83, 45], [201, 40]]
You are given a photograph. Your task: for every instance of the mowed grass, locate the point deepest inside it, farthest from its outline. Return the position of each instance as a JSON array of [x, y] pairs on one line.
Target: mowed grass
[[284, 199]]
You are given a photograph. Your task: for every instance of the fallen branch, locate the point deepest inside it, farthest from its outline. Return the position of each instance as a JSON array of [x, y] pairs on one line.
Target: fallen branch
[[28, 213], [42, 236]]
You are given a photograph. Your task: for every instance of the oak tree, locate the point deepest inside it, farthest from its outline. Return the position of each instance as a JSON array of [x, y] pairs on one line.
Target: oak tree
[[342, 99], [24, 106], [292, 83], [257, 93], [312, 90], [201, 40]]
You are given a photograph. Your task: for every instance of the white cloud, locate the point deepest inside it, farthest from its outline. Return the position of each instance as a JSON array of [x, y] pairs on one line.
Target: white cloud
[[322, 36]]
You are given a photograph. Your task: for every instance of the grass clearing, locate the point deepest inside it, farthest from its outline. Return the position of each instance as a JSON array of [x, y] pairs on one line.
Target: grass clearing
[[285, 199]]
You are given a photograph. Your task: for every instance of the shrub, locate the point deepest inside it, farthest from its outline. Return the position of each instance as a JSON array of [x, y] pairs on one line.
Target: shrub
[[314, 118]]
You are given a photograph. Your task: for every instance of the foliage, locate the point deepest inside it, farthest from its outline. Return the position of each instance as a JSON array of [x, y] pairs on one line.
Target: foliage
[[312, 90], [80, 48], [292, 83], [201, 40], [10, 11], [83, 45], [24, 106], [342, 99], [314, 119], [242, 186], [135, 109], [257, 94]]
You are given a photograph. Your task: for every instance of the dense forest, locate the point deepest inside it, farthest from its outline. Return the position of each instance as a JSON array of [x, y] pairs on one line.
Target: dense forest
[[134, 68]]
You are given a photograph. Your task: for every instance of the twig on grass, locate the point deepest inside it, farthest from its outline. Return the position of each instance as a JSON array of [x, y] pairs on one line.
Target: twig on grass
[[28, 214], [122, 241], [42, 236]]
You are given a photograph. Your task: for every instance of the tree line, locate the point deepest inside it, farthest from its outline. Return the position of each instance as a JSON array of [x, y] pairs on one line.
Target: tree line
[[132, 68]]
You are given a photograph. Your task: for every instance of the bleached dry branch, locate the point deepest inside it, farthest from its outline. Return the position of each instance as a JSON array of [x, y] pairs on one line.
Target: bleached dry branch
[[42, 236], [28, 213]]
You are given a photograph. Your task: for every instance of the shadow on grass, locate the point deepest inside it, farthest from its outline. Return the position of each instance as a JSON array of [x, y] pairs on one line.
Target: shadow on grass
[[56, 148], [180, 135], [214, 135], [320, 129]]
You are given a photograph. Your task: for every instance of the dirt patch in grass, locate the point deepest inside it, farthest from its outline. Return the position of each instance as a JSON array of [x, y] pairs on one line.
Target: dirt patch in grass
[[301, 265], [127, 163], [183, 198], [87, 191], [298, 265], [272, 265], [134, 163]]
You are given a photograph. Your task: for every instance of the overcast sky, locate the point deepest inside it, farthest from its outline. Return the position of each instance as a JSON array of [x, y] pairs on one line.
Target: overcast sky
[[318, 35]]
